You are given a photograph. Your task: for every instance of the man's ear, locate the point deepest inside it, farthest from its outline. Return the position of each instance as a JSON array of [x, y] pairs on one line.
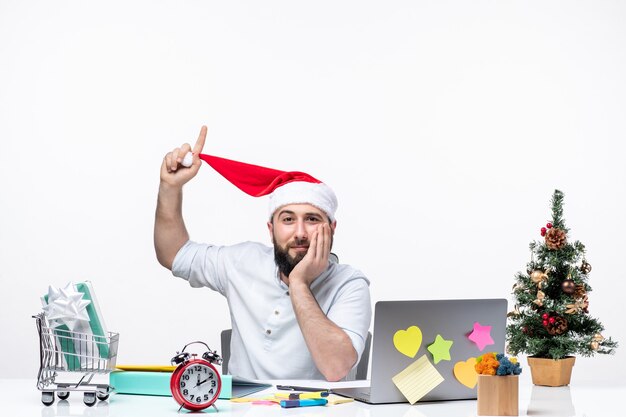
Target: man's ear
[[270, 228], [333, 226]]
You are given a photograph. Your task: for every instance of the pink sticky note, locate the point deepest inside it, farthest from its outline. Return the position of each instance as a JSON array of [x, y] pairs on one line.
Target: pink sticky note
[[263, 402], [481, 335]]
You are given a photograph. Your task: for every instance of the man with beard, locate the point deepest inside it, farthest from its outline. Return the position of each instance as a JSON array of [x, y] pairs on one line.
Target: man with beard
[[295, 312]]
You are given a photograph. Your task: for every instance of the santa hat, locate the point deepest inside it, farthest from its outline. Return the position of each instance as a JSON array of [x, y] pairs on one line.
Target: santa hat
[[284, 187]]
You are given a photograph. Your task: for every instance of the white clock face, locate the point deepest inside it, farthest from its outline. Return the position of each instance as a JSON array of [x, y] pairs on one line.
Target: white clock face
[[198, 384]]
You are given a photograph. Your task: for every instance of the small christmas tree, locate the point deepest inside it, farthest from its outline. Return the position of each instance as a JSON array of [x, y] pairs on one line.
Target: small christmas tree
[[551, 316]]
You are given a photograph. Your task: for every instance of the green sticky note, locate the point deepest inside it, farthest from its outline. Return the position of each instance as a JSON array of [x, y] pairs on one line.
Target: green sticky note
[[440, 349]]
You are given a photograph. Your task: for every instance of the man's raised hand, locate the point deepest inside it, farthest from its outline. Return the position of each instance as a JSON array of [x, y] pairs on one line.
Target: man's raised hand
[[173, 171]]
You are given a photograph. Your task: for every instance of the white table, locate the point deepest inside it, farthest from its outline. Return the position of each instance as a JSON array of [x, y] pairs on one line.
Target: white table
[[20, 397]]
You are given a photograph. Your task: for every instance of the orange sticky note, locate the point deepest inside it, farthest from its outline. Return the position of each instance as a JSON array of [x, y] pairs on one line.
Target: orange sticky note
[[465, 373]]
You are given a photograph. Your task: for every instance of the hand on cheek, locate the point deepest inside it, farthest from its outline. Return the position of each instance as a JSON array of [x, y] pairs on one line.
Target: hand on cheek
[[316, 259]]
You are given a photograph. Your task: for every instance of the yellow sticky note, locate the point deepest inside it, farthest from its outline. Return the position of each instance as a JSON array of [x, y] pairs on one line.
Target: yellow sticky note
[[147, 368], [417, 379], [334, 399], [408, 341], [253, 399]]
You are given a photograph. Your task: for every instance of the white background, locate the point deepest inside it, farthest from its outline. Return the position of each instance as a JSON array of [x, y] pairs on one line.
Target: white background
[[443, 126]]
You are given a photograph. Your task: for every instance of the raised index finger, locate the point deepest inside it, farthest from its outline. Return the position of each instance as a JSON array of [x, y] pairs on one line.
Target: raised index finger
[[197, 148]]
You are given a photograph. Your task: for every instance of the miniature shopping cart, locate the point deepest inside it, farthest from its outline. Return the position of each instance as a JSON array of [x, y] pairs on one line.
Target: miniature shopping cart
[[67, 356]]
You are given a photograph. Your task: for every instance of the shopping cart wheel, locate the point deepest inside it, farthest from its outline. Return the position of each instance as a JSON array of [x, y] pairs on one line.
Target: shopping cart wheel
[[89, 398], [102, 396], [63, 395], [47, 397]]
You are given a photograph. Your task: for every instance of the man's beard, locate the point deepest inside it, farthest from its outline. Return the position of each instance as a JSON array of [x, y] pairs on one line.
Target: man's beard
[[285, 262]]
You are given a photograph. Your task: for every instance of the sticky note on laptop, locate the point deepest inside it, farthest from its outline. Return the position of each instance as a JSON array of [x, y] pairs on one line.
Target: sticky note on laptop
[[417, 379]]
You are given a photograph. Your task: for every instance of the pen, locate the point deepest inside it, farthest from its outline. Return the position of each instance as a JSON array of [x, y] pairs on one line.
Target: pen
[[302, 395], [308, 395], [295, 388], [303, 403]]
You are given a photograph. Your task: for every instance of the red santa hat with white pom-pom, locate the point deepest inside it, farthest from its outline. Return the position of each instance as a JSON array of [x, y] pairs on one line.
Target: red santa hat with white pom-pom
[[283, 187]]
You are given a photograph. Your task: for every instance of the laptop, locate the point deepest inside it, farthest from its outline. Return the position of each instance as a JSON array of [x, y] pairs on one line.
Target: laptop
[[451, 319]]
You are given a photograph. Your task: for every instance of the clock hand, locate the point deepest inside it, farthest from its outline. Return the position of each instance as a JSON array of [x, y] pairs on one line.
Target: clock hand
[[201, 382]]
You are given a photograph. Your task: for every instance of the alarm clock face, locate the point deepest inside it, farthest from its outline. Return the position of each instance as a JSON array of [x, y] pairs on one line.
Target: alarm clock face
[[198, 385]]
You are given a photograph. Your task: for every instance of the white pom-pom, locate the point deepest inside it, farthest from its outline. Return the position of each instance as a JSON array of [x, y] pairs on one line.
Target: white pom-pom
[[188, 160]]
